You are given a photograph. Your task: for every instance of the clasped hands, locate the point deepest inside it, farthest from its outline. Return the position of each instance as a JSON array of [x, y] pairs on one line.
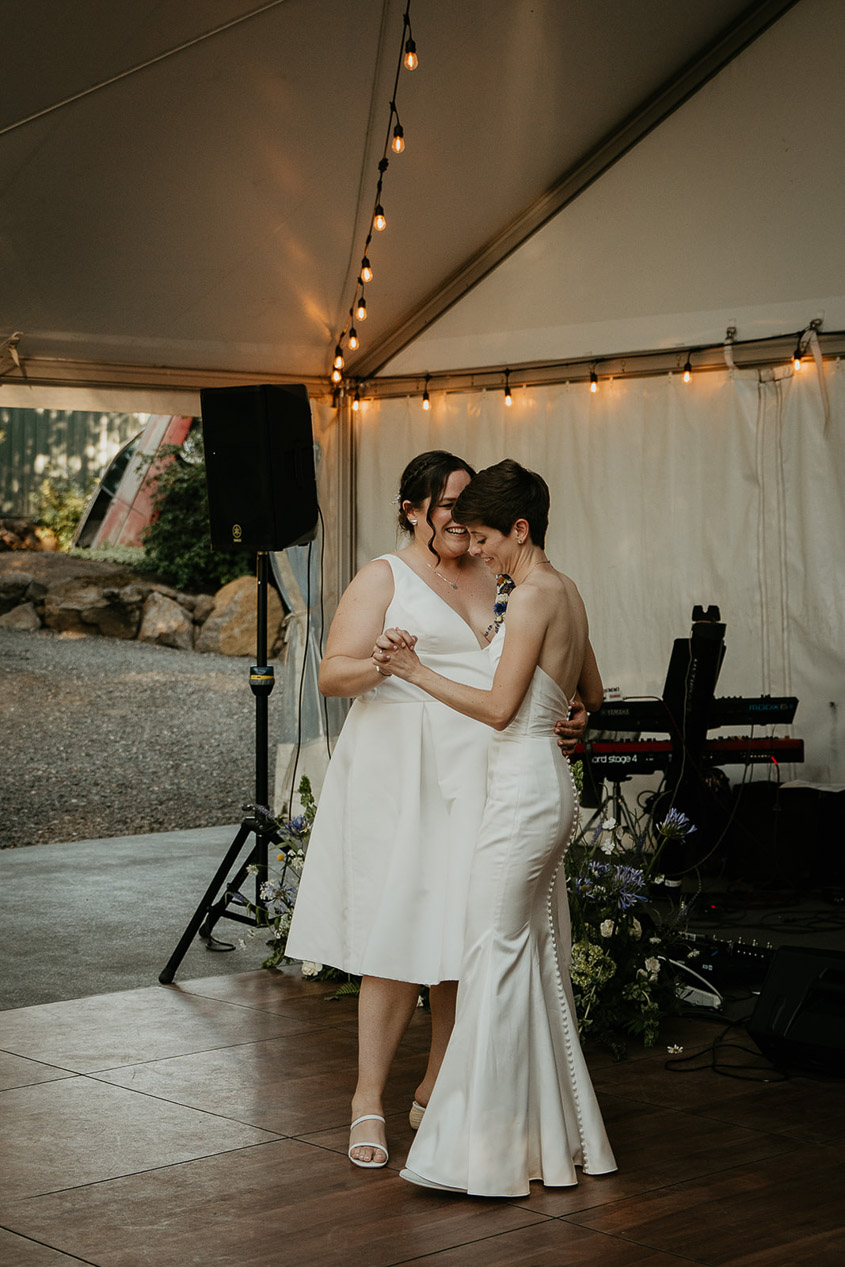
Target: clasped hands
[[394, 653]]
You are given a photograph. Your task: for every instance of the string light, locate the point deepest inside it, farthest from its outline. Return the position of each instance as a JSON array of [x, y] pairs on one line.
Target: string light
[[356, 401], [594, 382], [338, 358], [687, 369], [426, 400], [508, 397], [394, 140], [796, 356], [336, 375]]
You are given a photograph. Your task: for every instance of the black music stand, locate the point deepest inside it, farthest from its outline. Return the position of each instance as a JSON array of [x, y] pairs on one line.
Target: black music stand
[[214, 907]]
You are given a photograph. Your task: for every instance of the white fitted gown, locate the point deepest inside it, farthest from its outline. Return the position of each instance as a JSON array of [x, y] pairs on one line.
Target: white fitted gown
[[513, 1100], [384, 887]]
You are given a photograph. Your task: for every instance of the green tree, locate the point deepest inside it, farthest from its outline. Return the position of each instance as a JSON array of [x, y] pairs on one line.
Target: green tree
[[177, 541], [61, 500]]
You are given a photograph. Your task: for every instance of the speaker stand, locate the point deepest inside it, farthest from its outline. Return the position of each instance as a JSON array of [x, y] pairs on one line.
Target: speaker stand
[[215, 905]]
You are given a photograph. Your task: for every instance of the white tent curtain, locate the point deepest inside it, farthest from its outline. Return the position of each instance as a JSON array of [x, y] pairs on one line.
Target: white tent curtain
[[727, 490], [307, 577]]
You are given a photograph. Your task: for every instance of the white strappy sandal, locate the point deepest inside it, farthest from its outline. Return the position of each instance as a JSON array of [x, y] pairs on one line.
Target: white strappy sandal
[[366, 1143]]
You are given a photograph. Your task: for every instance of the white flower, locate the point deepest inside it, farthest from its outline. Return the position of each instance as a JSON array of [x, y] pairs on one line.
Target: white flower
[[675, 1049], [652, 965], [655, 941], [693, 954], [311, 969], [608, 824], [606, 928], [636, 930], [658, 879], [252, 869], [608, 847]]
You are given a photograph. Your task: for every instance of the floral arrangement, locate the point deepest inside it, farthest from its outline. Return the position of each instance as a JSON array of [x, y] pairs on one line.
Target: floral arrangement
[[623, 975], [279, 888]]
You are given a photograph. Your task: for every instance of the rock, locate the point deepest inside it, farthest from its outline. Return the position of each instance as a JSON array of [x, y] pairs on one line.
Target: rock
[[23, 617], [13, 587], [166, 622], [35, 592], [231, 627], [47, 540], [18, 534], [203, 607], [86, 607]]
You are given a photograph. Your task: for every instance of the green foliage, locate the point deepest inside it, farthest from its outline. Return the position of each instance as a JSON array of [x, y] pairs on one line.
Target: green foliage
[[61, 501], [178, 542], [280, 886], [624, 949], [132, 557]]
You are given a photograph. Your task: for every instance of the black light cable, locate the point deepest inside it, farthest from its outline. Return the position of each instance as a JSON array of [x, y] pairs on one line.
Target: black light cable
[[301, 681]]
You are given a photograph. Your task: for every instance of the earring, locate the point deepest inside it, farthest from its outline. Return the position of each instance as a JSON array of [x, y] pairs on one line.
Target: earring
[[412, 522]]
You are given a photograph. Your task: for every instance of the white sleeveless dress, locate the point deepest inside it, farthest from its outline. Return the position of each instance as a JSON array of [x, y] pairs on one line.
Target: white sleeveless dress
[[384, 887], [513, 1100]]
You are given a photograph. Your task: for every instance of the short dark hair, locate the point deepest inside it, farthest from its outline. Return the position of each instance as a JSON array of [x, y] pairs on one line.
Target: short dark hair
[[426, 476], [501, 494]]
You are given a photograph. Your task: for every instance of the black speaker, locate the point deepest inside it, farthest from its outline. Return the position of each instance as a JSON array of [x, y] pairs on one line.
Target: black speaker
[[799, 1018], [259, 464]]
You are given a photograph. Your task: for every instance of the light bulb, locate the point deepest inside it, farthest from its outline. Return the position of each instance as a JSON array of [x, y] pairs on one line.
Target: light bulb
[[594, 382], [426, 401], [338, 358], [687, 371], [356, 403], [796, 362], [398, 142], [411, 59], [361, 310], [508, 398], [353, 338], [366, 270], [336, 375], [379, 219]]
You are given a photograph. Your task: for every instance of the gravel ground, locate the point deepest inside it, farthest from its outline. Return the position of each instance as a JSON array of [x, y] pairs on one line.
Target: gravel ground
[[102, 737]]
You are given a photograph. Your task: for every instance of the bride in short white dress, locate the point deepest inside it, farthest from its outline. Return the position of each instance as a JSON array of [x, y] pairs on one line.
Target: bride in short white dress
[[385, 880]]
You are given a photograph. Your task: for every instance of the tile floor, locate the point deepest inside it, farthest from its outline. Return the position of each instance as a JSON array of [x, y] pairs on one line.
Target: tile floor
[[205, 1122]]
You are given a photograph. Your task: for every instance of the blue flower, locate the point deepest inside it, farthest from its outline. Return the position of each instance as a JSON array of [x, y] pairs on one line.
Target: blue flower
[[676, 824]]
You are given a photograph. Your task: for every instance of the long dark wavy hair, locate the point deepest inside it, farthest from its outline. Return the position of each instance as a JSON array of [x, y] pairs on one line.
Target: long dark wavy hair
[[426, 476]]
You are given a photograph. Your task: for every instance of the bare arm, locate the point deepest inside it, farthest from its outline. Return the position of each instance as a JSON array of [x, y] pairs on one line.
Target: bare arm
[[589, 682], [497, 707], [347, 668]]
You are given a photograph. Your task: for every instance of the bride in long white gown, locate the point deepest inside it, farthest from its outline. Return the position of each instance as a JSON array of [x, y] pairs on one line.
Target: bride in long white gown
[[513, 1100]]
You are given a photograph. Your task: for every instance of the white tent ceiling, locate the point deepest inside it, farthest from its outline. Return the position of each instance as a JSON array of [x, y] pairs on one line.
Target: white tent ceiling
[[186, 188]]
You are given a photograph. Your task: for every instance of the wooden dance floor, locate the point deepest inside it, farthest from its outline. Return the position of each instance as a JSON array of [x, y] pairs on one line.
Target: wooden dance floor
[[206, 1122]]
